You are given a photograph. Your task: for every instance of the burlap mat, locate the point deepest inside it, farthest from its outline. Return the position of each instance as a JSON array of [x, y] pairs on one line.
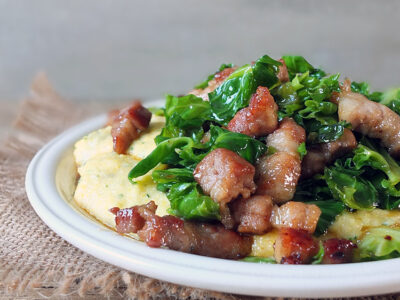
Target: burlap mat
[[34, 261]]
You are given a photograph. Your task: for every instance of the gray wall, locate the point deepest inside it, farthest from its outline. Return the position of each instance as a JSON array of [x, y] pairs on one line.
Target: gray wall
[[100, 49]]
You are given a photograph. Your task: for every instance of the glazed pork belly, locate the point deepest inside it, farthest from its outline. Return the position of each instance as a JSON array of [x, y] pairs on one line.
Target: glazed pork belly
[[279, 173], [218, 79], [259, 118], [127, 124], [371, 119], [224, 175], [191, 237], [320, 155]]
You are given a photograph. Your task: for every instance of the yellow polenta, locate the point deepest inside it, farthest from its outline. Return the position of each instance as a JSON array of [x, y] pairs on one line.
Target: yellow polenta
[[103, 181]]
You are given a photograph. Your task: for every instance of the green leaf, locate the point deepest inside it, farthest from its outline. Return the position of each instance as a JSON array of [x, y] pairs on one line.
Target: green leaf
[[259, 259], [189, 203], [347, 186], [329, 210], [297, 64], [317, 259], [380, 243], [302, 150], [247, 147], [184, 117], [235, 92]]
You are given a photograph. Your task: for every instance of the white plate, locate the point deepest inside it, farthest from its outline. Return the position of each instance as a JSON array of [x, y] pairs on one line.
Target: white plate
[[357, 279]]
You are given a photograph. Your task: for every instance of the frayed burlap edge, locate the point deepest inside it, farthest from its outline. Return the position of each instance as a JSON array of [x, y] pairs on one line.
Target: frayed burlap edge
[[23, 271]]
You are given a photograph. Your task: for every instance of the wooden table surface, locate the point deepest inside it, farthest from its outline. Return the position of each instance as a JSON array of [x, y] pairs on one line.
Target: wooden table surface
[[8, 110]]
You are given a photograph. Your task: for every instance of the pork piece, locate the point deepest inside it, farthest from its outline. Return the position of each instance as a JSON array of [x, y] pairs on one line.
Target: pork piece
[[338, 251], [295, 247], [296, 215], [259, 118], [176, 234], [320, 155], [283, 74], [224, 175], [279, 173], [128, 124], [219, 78], [253, 214], [372, 119]]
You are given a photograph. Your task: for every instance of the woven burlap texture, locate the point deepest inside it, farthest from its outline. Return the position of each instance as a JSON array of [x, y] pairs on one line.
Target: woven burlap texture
[[33, 257]]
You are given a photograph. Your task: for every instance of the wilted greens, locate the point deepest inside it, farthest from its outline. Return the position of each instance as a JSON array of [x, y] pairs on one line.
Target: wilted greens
[[364, 179]]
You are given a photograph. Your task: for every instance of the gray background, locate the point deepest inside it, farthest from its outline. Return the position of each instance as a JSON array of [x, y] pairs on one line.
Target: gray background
[[102, 50]]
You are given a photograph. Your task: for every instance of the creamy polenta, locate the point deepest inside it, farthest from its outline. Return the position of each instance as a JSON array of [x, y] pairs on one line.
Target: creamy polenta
[[103, 174]]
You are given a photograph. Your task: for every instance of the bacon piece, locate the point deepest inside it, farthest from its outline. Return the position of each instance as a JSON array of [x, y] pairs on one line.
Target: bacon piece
[[219, 78], [296, 215], [127, 125], [320, 155], [253, 214], [372, 119], [295, 247], [279, 173], [259, 118], [191, 237], [338, 251], [224, 175], [283, 74]]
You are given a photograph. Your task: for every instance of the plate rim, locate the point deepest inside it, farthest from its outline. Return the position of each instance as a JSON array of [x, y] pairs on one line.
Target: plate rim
[[346, 280]]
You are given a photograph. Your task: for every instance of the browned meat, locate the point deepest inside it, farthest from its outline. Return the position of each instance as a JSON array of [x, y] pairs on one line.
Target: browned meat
[[127, 125], [259, 118], [338, 251], [224, 175], [219, 78], [296, 215], [253, 214], [320, 155], [295, 247], [283, 74], [279, 173], [372, 119], [176, 234]]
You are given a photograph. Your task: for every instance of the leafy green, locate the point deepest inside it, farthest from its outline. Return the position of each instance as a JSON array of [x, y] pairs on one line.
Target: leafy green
[[184, 116], [158, 111], [391, 98], [188, 153], [347, 186], [296, 64], [204, 84], [302, 150], [259, 259], [166, 178], [317, 259], [380, 243], [248, 148], [329, 210], [364, 88], [235, 92], [319, 133], [382, 161], [188, 202]]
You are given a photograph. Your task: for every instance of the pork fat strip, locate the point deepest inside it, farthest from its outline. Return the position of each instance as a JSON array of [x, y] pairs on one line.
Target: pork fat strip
[[296, 215], [127, 125], [338, 251], [253, 214], [279, 173], [320, 155], [283, 74], [185, 236], [224, 175], [213, 84], [295, 247], [372, 119], [259, 118]]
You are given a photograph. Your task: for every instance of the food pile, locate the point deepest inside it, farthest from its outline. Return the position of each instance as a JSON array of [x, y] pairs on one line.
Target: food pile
[[275, 161]]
